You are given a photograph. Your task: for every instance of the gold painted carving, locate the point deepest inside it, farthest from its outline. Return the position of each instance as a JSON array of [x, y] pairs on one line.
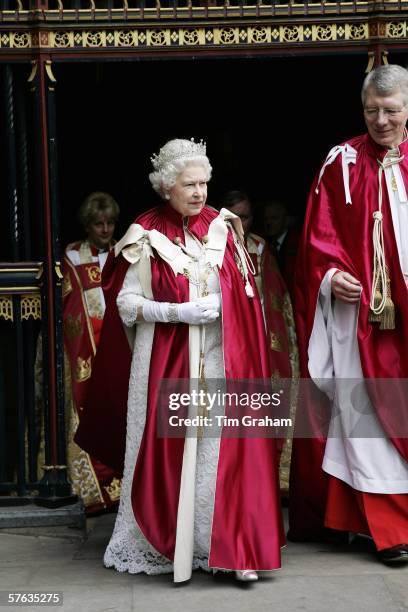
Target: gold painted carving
[[73, 326], [33, 73], [227, 36], [62, 39], [158, 38], [204, 36], [397, 30], [6, 308], [259, 35], [190, 37], [357, 31], [324, 32], [5, 40], [370, 64], [57, 267], [291, 33], [83, 369], [94, 39], [30, 307], [48, 70], [20, 40], [126, 39]]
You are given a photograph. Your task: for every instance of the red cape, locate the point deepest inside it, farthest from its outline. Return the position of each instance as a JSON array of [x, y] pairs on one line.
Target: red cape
[[339, 235], [246, 529]]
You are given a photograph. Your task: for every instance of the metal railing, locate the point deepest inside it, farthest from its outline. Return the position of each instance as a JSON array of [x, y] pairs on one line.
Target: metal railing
[[100, 5]]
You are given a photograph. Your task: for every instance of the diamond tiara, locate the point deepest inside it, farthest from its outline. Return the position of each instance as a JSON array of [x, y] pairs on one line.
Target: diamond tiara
[[177, 149]]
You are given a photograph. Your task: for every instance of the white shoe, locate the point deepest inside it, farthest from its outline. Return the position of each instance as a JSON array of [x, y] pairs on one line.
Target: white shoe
[[246, 575]]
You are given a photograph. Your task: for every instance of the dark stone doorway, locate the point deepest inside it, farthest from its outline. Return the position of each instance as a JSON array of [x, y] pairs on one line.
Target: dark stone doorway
[[268, 124]]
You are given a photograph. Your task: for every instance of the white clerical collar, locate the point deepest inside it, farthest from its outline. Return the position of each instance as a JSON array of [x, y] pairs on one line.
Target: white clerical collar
[[281, 239]]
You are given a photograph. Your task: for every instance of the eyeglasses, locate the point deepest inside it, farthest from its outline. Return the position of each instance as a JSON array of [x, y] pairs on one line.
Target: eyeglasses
[[388, 112]]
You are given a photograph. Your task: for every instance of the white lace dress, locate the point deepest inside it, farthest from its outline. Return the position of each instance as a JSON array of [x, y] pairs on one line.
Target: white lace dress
[[128, 550]]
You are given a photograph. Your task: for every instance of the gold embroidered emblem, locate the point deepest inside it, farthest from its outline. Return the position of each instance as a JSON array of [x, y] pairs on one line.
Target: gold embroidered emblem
[[94, 274], [66, 285], [113, 490], [276, 342], [394, 183], [83, 369], [73, 326]]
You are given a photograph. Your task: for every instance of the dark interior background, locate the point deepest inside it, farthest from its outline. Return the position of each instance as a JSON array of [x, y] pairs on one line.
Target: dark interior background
[[268, 123]]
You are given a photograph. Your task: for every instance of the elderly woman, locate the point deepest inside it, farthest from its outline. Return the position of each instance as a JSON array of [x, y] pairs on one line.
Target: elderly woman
[[187, 502]]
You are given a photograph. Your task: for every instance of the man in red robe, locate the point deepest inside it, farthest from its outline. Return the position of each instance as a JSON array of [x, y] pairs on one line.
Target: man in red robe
[[278, 313], [352, 316]]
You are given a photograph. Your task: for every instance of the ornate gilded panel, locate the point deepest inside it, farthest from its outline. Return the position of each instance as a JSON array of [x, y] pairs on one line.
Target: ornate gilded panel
[[397, 29], [269, 33], [6, 307], [30, 306]]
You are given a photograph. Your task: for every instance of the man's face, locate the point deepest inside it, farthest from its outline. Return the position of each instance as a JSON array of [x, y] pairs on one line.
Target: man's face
[[385, 117], [100, 231], [275, 219], [243, 210]]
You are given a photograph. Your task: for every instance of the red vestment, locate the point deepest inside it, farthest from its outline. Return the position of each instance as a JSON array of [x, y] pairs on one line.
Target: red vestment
[[96, 483], [339, 235], [246, 528]]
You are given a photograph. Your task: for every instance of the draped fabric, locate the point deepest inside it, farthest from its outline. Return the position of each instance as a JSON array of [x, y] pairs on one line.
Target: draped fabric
[[247, 529], [339, 235], [383, 517]]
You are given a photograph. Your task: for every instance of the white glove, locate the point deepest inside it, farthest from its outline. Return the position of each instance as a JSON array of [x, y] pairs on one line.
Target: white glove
[[212, 301], [155, 312], [196, 313], [203, 310]]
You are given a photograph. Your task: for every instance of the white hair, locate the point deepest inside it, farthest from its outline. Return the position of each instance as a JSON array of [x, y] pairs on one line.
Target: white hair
[[173, 158], [386, 80]]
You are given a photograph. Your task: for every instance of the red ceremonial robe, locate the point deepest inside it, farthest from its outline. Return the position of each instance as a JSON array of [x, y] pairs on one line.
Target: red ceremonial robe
[[81, 337], [339, 235], [274, 290], [247, 527]]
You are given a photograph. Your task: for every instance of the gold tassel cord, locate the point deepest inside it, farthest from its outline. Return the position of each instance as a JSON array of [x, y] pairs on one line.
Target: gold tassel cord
[[388, 315], [382, 308]]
